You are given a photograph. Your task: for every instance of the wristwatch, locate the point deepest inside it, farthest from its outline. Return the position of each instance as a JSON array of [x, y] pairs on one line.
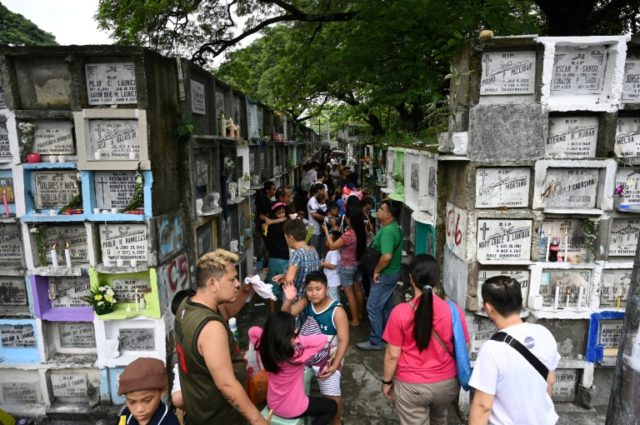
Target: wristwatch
[[390, 382]]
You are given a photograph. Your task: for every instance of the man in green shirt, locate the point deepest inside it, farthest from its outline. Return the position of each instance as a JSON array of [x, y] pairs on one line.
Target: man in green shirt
[[386, 274], [212, 370]]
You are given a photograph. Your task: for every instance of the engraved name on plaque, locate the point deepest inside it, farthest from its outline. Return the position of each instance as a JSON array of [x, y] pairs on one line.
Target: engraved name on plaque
[[111, 83], [13, 291], [129, 290], [614, 289], [70, 291], [568, 283], [508, 73], [137, 339], [20, 393], [564, 388], [570, 188], [76, 335], [504, 240], [114, 189], [610, 333], [502, 187], [73, 237], [631, 81], [115, 139], [72, 385], [627, 144], [17, 336], [10, 243], [572, 137], [5, 151], [54, 138], [624, 237], [578, 70], [54, 189], [126, 241], [198, 105]]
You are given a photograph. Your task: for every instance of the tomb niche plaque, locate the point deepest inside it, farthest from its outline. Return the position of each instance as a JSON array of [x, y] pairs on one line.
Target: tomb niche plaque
[[198, 105], [624, 237], [572, 137], [71, 385], [502, 187], [631, 82], [72, 237], [54, 189], [507, 73], [13, 291], [614, 288], [562, 289], [113, 140], [3, 104], [564, 389], [10, 244], [137, 339], [609, 333], [570, 188], [578, 70], [573, 243], [126, 241], [54, 138], [629, 179], [20, 393], [69, 291], [627, 144], [114, 189], [17, 336], [504, 240], [76, 335], [130, 290], [5, 151], [111, 83], [522, 276]]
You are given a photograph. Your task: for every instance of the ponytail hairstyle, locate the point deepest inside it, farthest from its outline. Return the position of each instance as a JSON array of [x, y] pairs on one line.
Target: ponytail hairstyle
[[357, 224], [275, 344], [424, 271]]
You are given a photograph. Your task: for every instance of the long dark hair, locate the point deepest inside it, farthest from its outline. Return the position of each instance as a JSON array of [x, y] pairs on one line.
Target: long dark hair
[[357, 224], [425, 271], [275, 345]]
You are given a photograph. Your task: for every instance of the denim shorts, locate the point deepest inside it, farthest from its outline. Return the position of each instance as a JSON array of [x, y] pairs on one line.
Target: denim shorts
[[348, 275]]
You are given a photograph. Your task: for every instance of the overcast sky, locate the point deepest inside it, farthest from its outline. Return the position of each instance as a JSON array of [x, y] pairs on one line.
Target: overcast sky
[[70, 21]]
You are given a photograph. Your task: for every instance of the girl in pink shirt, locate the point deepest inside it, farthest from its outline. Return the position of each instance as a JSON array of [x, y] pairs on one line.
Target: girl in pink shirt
[[284, 354]]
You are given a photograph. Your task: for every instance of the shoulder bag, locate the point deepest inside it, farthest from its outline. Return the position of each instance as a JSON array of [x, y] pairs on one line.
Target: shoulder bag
[[528, 355]]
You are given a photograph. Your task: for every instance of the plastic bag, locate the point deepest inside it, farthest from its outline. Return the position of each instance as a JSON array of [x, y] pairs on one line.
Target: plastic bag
[[258, 379]]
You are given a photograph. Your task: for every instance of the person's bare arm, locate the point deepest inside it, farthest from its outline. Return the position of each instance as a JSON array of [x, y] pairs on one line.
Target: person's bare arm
[[480, 408], [290, 275], [333, 245], [342, 328], [319, 217], [391, 357], [288, 305], [383, 262], [551, 379], [213, 345]]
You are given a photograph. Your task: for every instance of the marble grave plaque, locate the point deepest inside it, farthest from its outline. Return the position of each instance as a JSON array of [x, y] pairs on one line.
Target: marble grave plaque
[[76, 335], [70, 290], [502, 187], [126, 241], [578, 70], [629, 178], [13, 291], [54, 189], [522, 276], [114, 189], [624, 237], [137, 339], [54, 138], [631, 82], [504, 240], [614, 288], [571, 239], [609, 333], [570, 188], [111, 83], [627, 144], [128, 290], [74, 236], [415, 176], [69, 385], [568, 283], [432, 181], [198, 104], [220, 104], [508, 73], [5, 151], [20, 393], [17, 336], [572, 137], [115, 139], [564, 389], [10, 243]]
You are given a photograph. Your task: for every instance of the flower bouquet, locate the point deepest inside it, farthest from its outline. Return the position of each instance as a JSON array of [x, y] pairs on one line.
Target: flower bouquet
[[102, 299], [618, 195]]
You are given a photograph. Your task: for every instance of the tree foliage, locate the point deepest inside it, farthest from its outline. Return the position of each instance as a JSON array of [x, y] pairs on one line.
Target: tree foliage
[[17, 30]]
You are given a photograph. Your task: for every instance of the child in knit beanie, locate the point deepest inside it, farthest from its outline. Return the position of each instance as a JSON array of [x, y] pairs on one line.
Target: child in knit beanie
[[143, 383]]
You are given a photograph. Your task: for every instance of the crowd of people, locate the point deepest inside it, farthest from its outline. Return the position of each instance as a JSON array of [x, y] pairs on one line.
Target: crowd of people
[[318, 245]]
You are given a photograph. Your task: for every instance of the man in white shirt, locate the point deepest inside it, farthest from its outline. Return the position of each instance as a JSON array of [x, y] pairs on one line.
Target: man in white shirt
[[509, 389], [315, 213]]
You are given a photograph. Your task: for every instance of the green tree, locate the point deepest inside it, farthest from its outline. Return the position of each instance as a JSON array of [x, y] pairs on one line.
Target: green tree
[[17, 30]]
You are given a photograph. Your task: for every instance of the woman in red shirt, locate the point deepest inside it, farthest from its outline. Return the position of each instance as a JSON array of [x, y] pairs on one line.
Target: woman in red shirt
[[419, 336]]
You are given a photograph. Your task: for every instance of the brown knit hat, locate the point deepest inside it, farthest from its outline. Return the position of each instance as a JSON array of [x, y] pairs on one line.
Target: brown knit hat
[[143, 374]]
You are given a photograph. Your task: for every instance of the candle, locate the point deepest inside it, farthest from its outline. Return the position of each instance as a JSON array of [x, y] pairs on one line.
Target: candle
[[568, 297], [555, 300], [67, 255], [97, 155], [549, 238], [134, 263], [137, 298], [132, 154], [566, 244], [54, 256], [142, 302], [580, 295], [5, 200]]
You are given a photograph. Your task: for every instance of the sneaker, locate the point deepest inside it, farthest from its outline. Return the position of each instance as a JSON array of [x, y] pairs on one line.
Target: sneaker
[[368, 346]]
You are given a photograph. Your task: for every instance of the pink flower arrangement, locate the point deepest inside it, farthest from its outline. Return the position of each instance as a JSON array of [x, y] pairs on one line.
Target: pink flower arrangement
[[619, 190]]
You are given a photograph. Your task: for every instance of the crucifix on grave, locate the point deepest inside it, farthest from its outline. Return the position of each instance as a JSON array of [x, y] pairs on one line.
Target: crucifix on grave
[[484, 230], [102, 182], [483, 174]]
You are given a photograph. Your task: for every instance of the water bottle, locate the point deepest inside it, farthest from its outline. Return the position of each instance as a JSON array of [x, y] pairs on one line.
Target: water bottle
[[233, 327], [542, 247]]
